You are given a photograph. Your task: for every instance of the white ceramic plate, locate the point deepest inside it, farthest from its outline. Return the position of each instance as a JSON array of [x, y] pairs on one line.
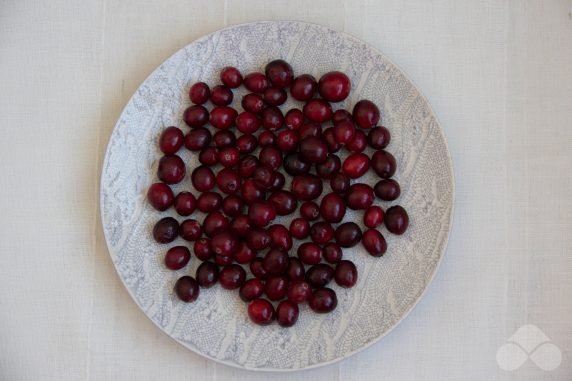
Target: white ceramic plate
[[216, 325]]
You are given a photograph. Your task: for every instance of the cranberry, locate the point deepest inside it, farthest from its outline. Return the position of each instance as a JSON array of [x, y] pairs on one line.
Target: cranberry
[[373, 217], [359, 196], [240, 225], [261, 213], [304, 87], [310, 129], [284, 202], [272, 118], [332, 207], [196, 116], [202, 249], [250, 192], [270, 156], [374, 242], [224, 138], [287, 140], [190, 230], [287, 313], [166, 230], [207, 274], [199, 93], [344, 131], [318, 110], [298, 291], [340, 183], [232, 205], [247, 166], [185, 203], [261, 312], [275, 96], [255, 82], [280, 237], [275, 262], [309, 253], [358, 143], [383, 163], [294, 165], [203, 178], [244, 254], [177, 257], [348, 234], [313, 150], [252, 103], [279, 182], [356, 165], [229, 156], [299, 228], [334, 86], [266, 138], [387, 189], [295, 269], [187, 289], [228, 181], [246, 144], [224, 244], [214, 222], [321, 232], [223, 117], [258, 239], [171, 169], [346, 273], [310, 211], [341, 115], [171, 140], [221, 95], [330, 140], [294, 119], [306, 187], [257, 270], [221, 260], [232, 277], [330, 167], [208, 156], [251, 289], [264, 177], [209, 202], [160, 196], [231, 77], [279, 73], [319, 275], [275, 287], [247, 122], [323, 300], [366, 114], [197, 139], [396, 220], [332, 252], [378, 137]]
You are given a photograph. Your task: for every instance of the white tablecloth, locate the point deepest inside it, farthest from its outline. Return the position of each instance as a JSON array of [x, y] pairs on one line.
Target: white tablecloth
[[497, 73]]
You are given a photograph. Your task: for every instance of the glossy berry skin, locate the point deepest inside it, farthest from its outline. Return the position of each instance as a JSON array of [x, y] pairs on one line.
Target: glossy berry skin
[[321, 232], [261, 213], [171, 140], [310, 129], [160, 196], [306, 187], [334, 86], [332, 207], [298, 291], [396, 220], [294, 119], [187, 289], [287, 140], [330, 139], [330, 167], [221, 95], [247, 166], [199, 93], [177, 257], [340, 183], [190, 230], [229, 156], [240, 225], [247, 122], [272, 118], [202, 249], [252, 103], [197, 139], [378, 137], [203, 178], [332, 252], [271, 157], [264, 177], [387, 189], [251, 289], [383, 163], [299, 228], [344, 132], [223, 117], [214, 223], [196, 116], [221, 260], [208, 156], [355, 165], [287, 313], [373, 217], [310, 211], [261, 312], [246, 144], [318, 110], [207, 274], [374, 242], [294, 165], [341, 115], [319, 275], [224, 138], [255, 82], [275, 287], [224, 244], [231, 77], [185, 203], [232, 205], [266, 138], [275, 262], [348, 234], [304, 87], [228, 181], [232, 277], [209, 202], [346, 274], [279, 182], [244, 254], [166, 230], [358, 143], [313, 150], [295, 270], [366, 114], [257, 270], [250, 192], [359, 196], [309, 253], [171, 169], [258, 239], [279, 73], [284, 202], [274, 96], [323, 300]]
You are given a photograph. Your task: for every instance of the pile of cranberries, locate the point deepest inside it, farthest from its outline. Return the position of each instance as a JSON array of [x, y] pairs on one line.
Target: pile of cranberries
[[241, 187]]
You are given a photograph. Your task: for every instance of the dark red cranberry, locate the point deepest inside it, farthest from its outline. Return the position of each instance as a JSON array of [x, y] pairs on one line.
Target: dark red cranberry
[[340, 183], [313, 150], [209, 202], [295, 270], [299, 228], [187, 289], [207, 274], [199, 93], [251, 289], [171, 169], [244, 254], [346, 273], [229, 156], [255, 82], [202, 249], [279, 182], [231, 77], [177, 257], [374, 242], [348, 234], [214, 222], [250, 192], [319, 275], [246, 144], [294, 119], [247, 122], [383, 163], [272, 118], [275, 262], [280, 237], [310, 129], [284, 202], [221, 95], [330, 139], [197, 139], [294, 165], [396, 220], [321, 232], [203, 178], [387, 189], [275, 96], [160, 196], [224, 138], [378, 137], [171, 140], [332, 207], [306, 187], [223, 117], [287, 313], [275, 287], [258, 239], [264, 177], [366, 114], [196, 116], [232, 205], [190, 230], [309, 253], [271, 157], [318, 110], [185, 203], [330, 167], [257, 270], [344, 132], [232, 277], [373, 217], [310, 211], [334, 86], [252, 103], [247, 166], [208, 156], [166, 230], [356, 165], [304, 87], [221, 260], [261, 213], [228, 181], [358, 143], [261, 312], [323, 300], [279, 73], [287, 140], [240, 225], [298, 291], [341, 115], [266, 138], [332, 252], [359, 196], [224, 244]]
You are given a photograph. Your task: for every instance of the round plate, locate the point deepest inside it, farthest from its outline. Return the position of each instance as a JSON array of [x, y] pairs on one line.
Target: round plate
[[216, 325]]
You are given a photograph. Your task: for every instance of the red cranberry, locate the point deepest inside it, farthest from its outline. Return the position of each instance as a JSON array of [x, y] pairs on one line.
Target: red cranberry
[[246, 144], [171, 169], [313, 150], [373, 217], [321, 232], [275, 96], [366, 114], [252, 103], [258, 239], [185, 203], [346, 274], [383, 163], [224, 244], [299, 228], [280, 237], [378, 137], [284, 202], [221, 260], [323, 300], [340, 183], [319, 275], [310, 129], [177, 257], [304, 87], [334, 86], [214, 222], [387, 189], [196, 116], [356, 165], [187, 289], [272, 118], [330, 140], [240, 225], [309, 253], [332, 207], [359, 196], [160, 196], [221, 95], [306, 187], [202, 249], [232, 205], [250, 192], [341, 115], [244, 254], [255, 82], [232, 277], [318, 110], [330, 167], [271, 157], [332, 252], [261, 312], [294, 165], [396, 220], [247, 166], [266, 138], [348, 234], [203, 178], [287, 313], [228, 181], [224, 138], [207, 274], [247, 122], [208, 156], [344, 132], [171, 140], [374, 242], [294, 119], [298, 291], [261, 213], [279, 73], [231, 77], [223, 117], [275, 287], [197, 139], [199, 93], [190, 230], [295, 269], [166, 230], [310, 211], [287, 140], [257, 270], [279, 182], [251, 289], [229, 156], [209, 202], [264, 177], [358, 143], [275, 262]]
